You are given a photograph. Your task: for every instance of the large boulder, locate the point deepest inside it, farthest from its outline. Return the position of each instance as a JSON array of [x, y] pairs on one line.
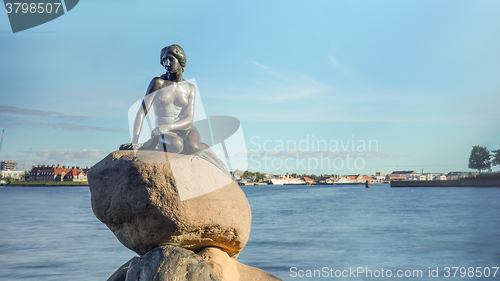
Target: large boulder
[[153, 198]]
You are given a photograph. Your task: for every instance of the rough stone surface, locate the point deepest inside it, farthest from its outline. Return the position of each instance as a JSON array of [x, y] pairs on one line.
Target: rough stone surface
[[121, 273], [170, 263], [228, 269], [221, 264], [137, 197]]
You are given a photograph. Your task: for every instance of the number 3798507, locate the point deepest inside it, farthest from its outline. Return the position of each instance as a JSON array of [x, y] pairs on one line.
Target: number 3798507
[[470, 271], [32, 8]]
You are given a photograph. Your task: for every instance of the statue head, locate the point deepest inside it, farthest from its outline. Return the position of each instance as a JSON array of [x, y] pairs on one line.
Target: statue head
[[177, 52]]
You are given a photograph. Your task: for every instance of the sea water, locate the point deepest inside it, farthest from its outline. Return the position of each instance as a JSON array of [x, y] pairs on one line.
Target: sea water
[[327, 232]]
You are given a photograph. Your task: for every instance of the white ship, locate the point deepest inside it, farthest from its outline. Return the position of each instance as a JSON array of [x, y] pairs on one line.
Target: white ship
[[277, 181], [295, 181], [282, 180]]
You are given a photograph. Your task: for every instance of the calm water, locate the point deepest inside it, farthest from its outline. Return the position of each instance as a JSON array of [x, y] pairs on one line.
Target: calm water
[[50, 233]]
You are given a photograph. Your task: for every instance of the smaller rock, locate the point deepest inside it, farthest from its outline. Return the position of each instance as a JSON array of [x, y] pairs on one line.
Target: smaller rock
[[221, 263], [228, 269], [121, 273], [170, 263]]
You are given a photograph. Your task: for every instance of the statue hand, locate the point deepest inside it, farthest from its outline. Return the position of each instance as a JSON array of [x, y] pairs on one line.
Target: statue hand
[[130, 146], [160, 130]]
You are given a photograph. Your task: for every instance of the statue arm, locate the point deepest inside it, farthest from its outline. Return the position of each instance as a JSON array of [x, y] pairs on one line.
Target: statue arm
[[147, 102]]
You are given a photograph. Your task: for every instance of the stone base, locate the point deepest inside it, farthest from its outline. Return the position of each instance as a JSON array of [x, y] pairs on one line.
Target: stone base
[[229, 269], [166, 263], [175, 263]]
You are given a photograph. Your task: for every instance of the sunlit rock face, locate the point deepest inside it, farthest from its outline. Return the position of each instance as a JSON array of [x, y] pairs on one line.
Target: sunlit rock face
[[153, 198]]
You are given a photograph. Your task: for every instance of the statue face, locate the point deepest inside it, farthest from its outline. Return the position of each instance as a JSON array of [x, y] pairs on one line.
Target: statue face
[[171, 64]]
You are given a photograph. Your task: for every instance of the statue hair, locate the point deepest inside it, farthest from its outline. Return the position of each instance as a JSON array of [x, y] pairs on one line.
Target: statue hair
[[177, 52]]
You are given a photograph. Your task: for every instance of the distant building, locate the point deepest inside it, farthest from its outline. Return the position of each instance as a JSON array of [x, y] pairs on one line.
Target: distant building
[[308, 180], [326, 180], [367, 179], [343, 179], [8, 165], [427, 177], [75, 175], [352, 179], [403, 172], [17, 175], [357, 178], [413, 176], [380, 176], [399, 175], [86, 170], [460, 175], [57, 173]]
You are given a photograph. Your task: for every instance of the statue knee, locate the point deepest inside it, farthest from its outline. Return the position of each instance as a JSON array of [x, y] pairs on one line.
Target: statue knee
[[173, 145], [193, 148], [196, 147], [177, 146]]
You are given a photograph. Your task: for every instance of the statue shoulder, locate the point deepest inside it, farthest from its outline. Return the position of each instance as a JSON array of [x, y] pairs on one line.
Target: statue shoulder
[[191, 88], [155, 84]]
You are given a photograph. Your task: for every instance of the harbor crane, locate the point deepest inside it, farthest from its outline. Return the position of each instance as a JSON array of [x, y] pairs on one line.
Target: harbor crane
[[1, 142], [24, 164]]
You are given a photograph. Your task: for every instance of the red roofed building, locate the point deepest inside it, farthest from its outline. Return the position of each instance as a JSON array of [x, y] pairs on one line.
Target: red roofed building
[[399, 175], [308, 180], [57, 173], [75, 175], [367, 178], [356, 178]]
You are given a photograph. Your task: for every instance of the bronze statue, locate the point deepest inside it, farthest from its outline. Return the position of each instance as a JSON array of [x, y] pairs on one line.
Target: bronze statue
[[172, 99]]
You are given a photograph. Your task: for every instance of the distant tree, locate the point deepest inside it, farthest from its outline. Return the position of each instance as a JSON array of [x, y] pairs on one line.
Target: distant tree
[[8, 179], [495, 155], [247, 174], [479, 158]]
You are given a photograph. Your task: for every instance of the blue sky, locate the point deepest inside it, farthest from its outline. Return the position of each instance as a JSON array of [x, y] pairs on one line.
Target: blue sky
[[420, 78]]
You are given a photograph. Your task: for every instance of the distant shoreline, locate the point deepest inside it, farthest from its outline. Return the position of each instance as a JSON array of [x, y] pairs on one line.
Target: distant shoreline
[[448, 183], [48, 183]]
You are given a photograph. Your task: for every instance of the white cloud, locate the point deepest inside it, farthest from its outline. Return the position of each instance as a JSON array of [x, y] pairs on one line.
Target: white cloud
[[10, 116], [66, 155], [333, 60], [10, 156], [60, 126], [39, 113], [87, 153], [42, 153], [278, 86], [61, 155]]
